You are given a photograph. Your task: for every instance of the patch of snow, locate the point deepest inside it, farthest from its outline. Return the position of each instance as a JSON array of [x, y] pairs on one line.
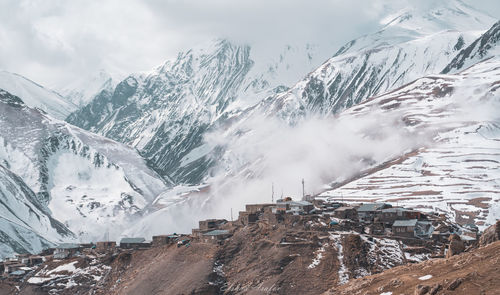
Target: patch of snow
[[425, 278], [317, 259], [69, 267]]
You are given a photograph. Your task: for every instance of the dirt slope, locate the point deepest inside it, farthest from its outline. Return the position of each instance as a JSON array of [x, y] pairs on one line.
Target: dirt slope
[[475, 272], [163, 270]]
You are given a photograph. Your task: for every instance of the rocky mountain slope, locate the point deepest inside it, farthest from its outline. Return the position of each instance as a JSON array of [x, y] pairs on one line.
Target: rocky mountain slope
[[412, 44], [91, 184], [482, 48], [167, 113], [428, 122], [475, 272], [35, 95]]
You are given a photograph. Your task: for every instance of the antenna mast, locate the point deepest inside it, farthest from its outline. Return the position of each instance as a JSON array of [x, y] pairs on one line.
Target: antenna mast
[[272, 192], [303, 190]]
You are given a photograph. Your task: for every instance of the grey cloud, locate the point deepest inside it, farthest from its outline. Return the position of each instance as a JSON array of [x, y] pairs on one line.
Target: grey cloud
[[55, 41]]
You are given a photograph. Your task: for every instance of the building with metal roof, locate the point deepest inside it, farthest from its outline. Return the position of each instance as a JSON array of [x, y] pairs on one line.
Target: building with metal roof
[[68, 246], [366, 212], [217, 232], [216, 236], [132, 240], [134, 243], [411, 222], [404, 228]]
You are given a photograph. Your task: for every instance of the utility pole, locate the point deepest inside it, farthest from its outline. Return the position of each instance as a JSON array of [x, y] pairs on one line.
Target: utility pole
[[303, 190], [272, 193]]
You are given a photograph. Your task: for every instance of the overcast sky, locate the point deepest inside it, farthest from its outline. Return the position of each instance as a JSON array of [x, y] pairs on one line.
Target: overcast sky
[[53, 41]]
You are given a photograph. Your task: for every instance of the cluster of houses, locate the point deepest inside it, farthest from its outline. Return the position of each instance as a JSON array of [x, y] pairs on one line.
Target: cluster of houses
[[18, 266], [370, 218], [22, 263]]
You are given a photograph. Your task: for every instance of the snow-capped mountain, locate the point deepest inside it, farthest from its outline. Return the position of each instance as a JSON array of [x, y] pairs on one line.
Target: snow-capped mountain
[[165, 113], [455, 171], [91, 184], [432, 145], [35, 95], [81, 91], [482, 48], [412, 44]]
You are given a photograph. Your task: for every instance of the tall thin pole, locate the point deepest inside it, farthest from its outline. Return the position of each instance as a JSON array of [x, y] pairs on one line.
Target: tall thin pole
[[231, 214], [303, 190], [272, 193]]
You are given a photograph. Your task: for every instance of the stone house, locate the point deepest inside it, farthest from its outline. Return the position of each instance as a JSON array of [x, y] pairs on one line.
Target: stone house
[[404, 228], [216, 236], [211, 224], [162, 240], [247, 218], [257, 208], [346, 212], [367, 212], [66, 250], [105, 246], [134, 243]]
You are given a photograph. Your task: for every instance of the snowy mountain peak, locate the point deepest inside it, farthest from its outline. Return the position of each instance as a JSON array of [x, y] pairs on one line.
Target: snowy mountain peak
[[81, 91], [35, 95], [435, 16], [419, 21]]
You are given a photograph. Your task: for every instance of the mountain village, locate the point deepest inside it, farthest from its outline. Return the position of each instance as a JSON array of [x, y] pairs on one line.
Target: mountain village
[[397, 128], [418, 232]]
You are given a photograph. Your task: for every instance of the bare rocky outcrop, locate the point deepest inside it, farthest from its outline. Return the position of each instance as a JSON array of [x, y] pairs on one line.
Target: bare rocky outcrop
[[473, 272], [490, 235], [456, 246]]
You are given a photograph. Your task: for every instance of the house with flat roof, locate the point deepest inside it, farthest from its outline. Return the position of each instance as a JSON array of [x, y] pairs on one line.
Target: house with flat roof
[[164, 240], [134, 243], [389, 215], [216, 236], [346, 212], [257, 208], [246, 218], [404, 228], [210, 224], [66, 250], [367, 211], [105, 246]]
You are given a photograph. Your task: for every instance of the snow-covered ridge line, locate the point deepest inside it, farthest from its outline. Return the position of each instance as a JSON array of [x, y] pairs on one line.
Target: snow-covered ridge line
[[35, 95]]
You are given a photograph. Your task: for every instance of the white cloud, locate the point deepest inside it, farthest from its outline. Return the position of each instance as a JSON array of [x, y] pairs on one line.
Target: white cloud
[[54, 41]]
